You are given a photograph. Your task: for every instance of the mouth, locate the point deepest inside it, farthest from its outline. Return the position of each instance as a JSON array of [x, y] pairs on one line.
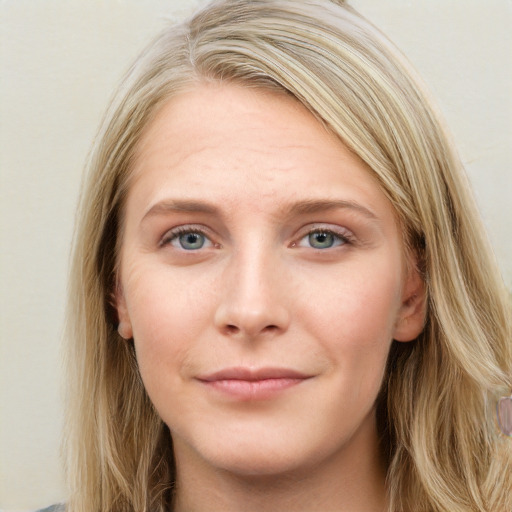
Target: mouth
[[246, 384]]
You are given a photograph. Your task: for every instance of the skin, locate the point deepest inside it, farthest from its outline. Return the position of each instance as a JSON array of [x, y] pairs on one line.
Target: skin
[[251, 175]]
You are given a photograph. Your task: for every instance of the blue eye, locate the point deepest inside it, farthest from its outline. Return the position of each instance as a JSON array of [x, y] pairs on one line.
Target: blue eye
[[186, 239], [322, 239], [191, 241]]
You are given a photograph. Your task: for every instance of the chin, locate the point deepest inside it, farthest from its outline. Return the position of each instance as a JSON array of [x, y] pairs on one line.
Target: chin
[[263, 453], [260, 462]]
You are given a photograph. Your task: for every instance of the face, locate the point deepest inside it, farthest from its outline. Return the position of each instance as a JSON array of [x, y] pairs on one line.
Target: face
[[262, 278]]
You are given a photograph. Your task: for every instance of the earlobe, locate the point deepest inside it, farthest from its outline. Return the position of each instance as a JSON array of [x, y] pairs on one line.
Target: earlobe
[[124, 327], [125, 330], [411, 316]]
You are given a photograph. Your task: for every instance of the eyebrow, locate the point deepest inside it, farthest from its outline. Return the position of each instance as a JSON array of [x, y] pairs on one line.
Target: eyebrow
[[322, 205], [179, 206], [304, 207]]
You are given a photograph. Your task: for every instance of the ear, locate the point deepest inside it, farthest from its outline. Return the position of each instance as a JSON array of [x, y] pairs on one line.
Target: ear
[[124, 326], [411, 316]]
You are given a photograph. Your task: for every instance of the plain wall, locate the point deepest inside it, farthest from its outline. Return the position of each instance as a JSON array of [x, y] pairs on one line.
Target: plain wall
[[60, 62]]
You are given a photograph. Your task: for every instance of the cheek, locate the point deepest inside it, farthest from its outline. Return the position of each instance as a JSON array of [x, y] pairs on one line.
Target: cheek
[[168, 312], [358, 303], [354, 321]]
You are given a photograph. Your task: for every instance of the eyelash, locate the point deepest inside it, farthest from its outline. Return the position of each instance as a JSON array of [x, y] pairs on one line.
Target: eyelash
[[175, 233], [340, 238]]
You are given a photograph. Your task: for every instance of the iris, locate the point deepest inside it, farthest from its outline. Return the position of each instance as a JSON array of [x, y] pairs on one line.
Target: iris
[[322, 239], [191, 241]]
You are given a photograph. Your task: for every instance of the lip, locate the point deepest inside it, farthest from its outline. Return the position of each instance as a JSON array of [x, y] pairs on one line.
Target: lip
[[248, 384]]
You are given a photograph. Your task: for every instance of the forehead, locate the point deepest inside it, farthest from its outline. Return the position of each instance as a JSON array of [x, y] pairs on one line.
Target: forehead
[[210, 116], [238, 145]]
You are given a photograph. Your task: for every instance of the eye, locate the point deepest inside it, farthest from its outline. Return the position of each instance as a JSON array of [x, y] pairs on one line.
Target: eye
[[322, 239], [191, 241], [187, 239]]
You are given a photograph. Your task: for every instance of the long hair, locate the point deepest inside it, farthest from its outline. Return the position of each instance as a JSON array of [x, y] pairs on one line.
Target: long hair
[[435, 409]]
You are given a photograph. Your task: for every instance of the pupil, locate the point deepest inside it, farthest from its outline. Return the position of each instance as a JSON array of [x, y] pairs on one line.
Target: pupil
[[192, 241], [321, 240]]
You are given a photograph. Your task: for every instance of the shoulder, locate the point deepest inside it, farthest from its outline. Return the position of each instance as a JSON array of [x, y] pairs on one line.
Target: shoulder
[[60, 507]]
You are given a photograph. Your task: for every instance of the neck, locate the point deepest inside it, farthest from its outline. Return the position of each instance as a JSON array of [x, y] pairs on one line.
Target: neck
[[352, 480]]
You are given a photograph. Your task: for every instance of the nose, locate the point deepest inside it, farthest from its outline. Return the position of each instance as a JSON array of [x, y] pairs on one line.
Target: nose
[[253, 299]]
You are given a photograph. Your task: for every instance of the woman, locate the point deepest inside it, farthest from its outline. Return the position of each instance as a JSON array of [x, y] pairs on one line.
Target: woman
[[282, 297]]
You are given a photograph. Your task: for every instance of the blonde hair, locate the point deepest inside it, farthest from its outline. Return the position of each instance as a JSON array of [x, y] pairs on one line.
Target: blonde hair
[[436, 406]]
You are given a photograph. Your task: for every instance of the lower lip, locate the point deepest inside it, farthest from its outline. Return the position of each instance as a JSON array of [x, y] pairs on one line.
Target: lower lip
[[247, 390]]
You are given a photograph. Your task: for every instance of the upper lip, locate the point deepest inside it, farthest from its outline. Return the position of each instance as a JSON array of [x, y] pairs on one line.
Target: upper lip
[[252, 374]]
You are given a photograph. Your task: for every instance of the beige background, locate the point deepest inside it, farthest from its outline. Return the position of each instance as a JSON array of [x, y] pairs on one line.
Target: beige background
[[60, 61]]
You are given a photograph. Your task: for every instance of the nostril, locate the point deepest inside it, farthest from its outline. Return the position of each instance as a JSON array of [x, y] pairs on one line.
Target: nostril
[[232, 329]]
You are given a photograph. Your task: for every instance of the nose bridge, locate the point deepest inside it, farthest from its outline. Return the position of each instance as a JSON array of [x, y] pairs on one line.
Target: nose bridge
[[253, 299]]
